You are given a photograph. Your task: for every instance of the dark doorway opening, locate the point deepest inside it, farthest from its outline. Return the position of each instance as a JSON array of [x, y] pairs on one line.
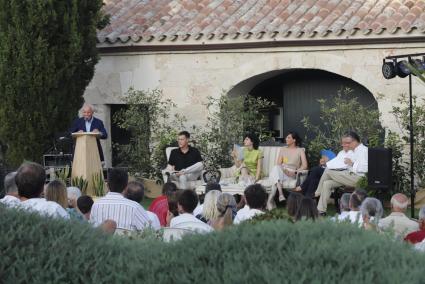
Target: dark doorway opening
[[119, 136], [296, 93]]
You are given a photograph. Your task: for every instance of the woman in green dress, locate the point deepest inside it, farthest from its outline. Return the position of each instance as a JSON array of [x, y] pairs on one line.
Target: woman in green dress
[[249, 167]]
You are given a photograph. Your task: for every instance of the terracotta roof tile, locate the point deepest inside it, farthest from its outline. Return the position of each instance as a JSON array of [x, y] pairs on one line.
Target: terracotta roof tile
[[149, 20]]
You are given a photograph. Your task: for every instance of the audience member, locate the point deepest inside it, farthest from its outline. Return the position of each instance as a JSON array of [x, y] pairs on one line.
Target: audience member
[[226, 206], [56, 191], [173, 209], [346, 173], [307, 210], [84, 204], [128, 214], [30, 180], [160, 204], [12, 197], [187, 202], [185, 163], [293, 204], [371, 211], [208, 187], [418, 236], [209, 208], [136, 192], [397, 220], [256, 198]]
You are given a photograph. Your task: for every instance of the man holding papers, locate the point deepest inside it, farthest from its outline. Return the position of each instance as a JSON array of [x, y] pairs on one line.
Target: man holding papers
[[346, 169], [185, 163]]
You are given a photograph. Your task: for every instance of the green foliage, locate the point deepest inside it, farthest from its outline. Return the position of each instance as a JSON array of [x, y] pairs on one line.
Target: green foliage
[[47, 58], [275, 214], [63, 175], [400, 176], [228, 120], [151, 124], [98, 184], [401, 113], [339, 115], [42, 250], [81, 183]]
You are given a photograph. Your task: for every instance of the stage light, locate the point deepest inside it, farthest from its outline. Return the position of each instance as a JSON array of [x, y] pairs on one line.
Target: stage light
[[402, 70], [388, 70]]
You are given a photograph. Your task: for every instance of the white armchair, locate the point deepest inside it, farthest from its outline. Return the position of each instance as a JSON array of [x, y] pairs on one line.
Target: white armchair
[[165, 174]]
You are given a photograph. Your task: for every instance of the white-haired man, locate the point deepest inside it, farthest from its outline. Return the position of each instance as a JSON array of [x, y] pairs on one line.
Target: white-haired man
[[397, 220], [11, 189], [89, 123], [418, 236]]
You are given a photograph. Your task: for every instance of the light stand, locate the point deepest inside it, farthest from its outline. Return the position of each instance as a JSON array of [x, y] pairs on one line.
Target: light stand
[[400, 73]]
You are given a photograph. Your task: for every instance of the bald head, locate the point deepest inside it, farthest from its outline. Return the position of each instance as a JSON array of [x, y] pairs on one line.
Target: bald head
[[399, 202]]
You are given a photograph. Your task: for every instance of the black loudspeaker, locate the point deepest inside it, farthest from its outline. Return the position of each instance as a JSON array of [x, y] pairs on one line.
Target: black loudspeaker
[[380, 168]]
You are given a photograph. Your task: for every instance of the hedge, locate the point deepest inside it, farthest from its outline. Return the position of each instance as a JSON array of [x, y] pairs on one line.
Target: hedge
[[41, 250]]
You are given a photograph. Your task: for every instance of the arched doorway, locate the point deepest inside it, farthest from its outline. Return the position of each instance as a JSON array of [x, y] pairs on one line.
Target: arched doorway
[[296, 92]]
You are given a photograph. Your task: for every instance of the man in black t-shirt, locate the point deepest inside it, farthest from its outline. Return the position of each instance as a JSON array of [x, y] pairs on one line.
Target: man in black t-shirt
[[185, 163]]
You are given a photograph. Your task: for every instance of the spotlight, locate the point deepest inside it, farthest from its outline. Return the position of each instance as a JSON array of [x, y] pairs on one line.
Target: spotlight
[[388, 70], [402, 70]]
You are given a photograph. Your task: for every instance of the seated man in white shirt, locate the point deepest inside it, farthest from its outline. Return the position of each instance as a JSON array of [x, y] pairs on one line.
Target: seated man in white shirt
[[187, 201], [256, 199], [128, 214], [136, 192], [397, 220], [348, 174], [30, 179], [11, 198]]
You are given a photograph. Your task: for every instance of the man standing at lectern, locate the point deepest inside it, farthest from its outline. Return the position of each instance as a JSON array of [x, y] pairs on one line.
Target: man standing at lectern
[[89, 123]]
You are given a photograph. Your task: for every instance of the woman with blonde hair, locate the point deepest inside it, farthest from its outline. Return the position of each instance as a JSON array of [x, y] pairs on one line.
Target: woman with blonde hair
[[209, 210], [226, 206], [56, 191]]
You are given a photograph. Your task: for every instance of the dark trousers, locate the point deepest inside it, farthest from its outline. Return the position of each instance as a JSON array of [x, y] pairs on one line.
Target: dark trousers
[[310, 184]]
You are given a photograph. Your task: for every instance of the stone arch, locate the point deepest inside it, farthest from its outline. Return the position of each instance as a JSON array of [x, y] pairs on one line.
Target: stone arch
[[268, 66]]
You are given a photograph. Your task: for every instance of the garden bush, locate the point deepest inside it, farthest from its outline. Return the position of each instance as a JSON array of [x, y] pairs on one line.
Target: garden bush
[[35, 249]]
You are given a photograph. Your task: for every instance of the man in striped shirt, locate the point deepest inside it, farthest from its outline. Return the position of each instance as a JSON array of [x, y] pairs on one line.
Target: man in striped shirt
[[128, 215]]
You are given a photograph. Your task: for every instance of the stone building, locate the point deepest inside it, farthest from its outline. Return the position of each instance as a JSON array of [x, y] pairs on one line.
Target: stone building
[[292, 52]]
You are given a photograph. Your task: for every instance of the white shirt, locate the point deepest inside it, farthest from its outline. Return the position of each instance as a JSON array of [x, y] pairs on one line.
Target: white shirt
[[360, 160], [154, 221], [354, 217], [189, 222], [44, 207], [10, 201], [338, 161], [128, 214], [198, 209], [400, 223], [88, 124], [245, 214]]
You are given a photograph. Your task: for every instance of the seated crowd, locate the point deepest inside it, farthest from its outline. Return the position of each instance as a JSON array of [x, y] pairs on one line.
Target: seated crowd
[[120, 210]]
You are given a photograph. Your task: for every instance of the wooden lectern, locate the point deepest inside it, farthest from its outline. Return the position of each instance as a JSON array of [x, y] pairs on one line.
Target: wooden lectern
[[86, 161]]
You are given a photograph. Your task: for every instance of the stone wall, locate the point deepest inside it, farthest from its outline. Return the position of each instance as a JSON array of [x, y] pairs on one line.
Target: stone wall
[[190, 77]]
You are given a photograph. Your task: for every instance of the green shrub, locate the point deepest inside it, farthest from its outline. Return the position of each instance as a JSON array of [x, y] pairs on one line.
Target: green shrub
[[41, 250], [47, 57]]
